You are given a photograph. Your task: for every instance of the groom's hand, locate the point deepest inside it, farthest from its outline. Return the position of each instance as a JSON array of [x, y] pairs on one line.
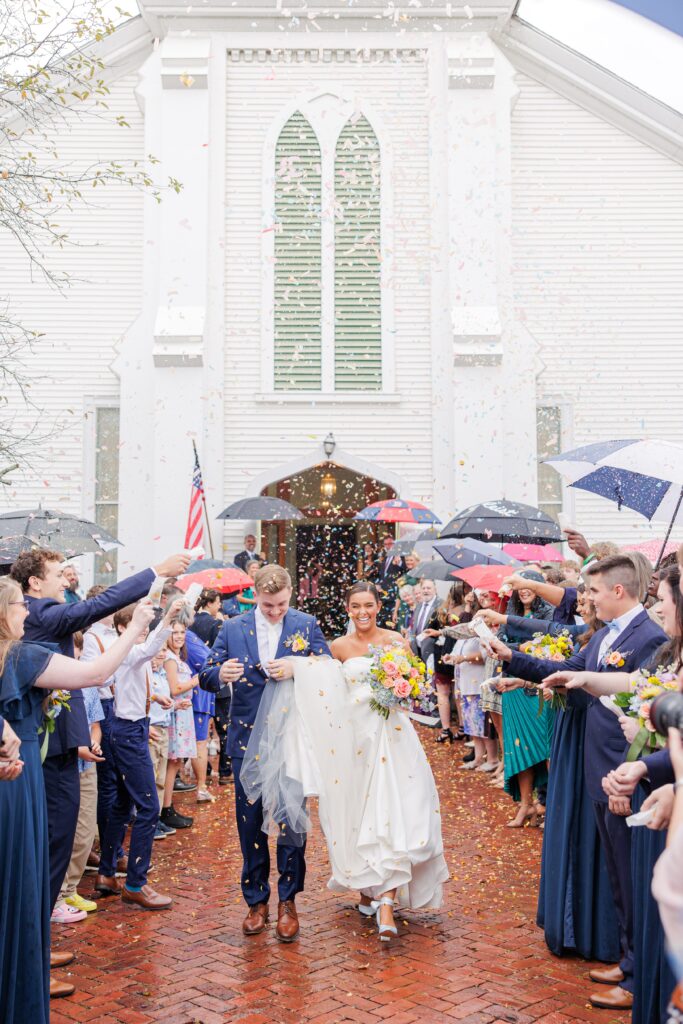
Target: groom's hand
[[280, 669], [231, 670]]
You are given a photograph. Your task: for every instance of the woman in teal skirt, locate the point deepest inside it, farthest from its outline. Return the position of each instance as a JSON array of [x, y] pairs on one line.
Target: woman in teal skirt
[[27, 672], [527, 724]]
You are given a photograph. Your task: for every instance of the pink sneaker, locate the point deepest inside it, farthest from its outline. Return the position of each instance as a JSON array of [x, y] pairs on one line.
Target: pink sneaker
[[64, 914]]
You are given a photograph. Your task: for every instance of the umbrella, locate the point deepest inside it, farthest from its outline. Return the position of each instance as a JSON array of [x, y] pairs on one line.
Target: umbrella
[[223, 580], [483, 577], [653, 549], [422, 547], [503, 520], [263, 507], [644, 475], [200, 564], [59, 531], [534, 552], [469, 551], [435, 571], [11, 547], [395, 510]]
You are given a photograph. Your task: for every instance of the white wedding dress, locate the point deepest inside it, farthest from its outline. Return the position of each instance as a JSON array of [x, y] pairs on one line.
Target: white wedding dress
[[378, 805]]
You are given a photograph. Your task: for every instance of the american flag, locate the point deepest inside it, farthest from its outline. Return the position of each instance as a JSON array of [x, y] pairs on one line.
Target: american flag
[[194, 535]]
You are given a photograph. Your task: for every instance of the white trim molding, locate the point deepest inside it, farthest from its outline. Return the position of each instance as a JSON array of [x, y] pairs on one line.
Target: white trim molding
[[316, 456]]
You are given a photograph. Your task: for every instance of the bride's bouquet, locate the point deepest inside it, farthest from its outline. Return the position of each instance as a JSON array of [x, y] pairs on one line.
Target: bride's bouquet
[[398, 680]]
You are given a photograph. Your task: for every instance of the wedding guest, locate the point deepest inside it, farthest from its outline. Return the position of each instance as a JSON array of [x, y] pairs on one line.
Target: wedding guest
[[71, 906], [27, 671], [203, 710], [406, 606], [246, 599], [448, 614], [181, 736], [614, 589], [389, 569], [39, 573], [206, 623], [468, 658], [428, 604], [71, 595], [136, 785], [159, 721], [667, 883], [249, 554], [10, 746]]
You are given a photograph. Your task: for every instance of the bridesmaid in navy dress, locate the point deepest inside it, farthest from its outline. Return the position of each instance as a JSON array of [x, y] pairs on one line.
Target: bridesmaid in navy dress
[[27, 671]]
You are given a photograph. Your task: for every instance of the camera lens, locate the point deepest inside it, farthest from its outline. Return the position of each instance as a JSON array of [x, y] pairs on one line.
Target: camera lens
[[667, 712]]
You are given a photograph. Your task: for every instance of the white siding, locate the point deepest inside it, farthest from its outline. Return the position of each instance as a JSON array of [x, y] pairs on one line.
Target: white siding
[[81, 326], [598, 272], [259, 436]]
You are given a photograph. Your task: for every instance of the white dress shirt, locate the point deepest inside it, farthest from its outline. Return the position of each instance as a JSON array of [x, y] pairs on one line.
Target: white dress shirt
[[610, 642], [133, 677], [267, 637], [92, 650]]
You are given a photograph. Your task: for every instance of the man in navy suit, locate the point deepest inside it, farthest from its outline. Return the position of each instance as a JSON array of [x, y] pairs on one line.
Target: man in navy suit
[[628, 641], [250, 653], [51, 620]]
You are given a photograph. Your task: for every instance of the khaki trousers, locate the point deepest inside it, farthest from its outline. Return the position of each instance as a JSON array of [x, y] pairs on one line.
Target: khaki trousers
[[86, 830], [158, 751]]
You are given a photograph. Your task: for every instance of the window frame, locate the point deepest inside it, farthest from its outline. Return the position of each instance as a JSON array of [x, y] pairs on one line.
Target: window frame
[[89, 492]]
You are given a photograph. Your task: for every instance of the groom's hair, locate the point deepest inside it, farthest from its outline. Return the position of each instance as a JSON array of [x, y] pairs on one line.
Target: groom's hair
[[271, 579]]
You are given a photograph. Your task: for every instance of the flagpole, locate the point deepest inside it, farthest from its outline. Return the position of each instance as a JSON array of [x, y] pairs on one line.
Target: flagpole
[[206, 511]]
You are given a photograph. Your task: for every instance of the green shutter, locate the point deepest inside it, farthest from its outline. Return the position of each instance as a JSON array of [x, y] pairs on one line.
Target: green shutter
[[357, 280], [297, 306]]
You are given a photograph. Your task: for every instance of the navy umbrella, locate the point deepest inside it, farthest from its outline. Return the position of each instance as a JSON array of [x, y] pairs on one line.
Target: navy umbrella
[[468, 551], [503, 520], [262, 507], [644, 475]]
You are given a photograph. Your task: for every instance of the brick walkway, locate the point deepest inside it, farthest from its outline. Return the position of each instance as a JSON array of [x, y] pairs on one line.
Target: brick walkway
[[480, 960]]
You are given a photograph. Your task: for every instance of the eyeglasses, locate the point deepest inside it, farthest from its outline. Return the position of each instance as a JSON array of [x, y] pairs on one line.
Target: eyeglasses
[[24, 602]]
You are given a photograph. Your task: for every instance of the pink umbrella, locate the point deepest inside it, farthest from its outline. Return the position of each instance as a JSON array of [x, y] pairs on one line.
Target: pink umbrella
[[652, 549], [534, 552]]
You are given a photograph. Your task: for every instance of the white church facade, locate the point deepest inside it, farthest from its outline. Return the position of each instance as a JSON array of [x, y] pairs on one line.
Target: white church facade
[[411, 256]]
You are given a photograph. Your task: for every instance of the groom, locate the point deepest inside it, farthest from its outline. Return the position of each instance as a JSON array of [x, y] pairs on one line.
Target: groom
[[250, 652]]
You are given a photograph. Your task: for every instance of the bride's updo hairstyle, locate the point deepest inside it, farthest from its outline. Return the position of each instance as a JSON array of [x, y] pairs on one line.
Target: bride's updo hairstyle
[[362, 587]]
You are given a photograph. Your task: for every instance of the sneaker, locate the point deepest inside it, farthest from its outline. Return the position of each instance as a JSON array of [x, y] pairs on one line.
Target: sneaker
[[64, 914], [166, 829], [80, 903], [169, 816], [469, 743], [160, 832], [183, 787], [204, 797]]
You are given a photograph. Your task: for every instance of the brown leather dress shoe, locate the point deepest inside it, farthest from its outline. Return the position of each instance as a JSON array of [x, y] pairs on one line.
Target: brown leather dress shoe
[[107, 886], [61, 958], [122, 867], [616, 998], [287, 922], [256, 920], [147, 898], [61, 988], [611, 975]]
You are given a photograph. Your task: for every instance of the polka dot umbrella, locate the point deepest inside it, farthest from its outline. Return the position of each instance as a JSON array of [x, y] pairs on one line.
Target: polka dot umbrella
[[396, 510]]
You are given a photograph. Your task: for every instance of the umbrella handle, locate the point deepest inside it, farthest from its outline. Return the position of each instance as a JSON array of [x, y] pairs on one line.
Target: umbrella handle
[[668, 532]]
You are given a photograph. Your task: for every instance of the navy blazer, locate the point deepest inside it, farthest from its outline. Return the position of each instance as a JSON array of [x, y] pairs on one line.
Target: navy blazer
[[55, 622], [660, 770], [604, 747], [237, 639]]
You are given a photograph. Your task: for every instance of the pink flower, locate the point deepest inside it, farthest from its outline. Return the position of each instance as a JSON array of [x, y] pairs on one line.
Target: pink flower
[[390, 668], [387, 682], [645, 714], [414, 673], [402, 688]]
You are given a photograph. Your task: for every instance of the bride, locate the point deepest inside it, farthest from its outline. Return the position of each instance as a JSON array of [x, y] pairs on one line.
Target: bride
[[316, 735]]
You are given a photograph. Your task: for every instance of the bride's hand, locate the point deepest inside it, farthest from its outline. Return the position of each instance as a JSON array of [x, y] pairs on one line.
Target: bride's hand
[[280, 669]]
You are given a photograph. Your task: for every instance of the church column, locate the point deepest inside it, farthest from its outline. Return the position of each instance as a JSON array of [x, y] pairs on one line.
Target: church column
[[163, 360], [494, 357]]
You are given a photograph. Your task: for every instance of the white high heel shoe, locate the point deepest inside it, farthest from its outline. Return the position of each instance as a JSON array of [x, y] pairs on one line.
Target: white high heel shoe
[[368, 911], [385, 931]]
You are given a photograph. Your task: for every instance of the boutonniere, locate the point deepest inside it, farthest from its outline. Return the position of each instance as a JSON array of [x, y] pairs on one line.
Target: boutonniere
[[615, 659], [297, 643]]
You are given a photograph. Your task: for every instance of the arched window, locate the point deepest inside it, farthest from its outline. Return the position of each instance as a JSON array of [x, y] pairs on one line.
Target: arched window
[[357, 259], [297, 252]]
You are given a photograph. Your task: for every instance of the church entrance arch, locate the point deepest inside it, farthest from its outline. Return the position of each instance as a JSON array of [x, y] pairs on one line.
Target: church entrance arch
[[324, 552]]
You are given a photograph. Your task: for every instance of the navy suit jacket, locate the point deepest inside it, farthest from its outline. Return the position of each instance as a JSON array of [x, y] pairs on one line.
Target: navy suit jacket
[[54, 622], [237, 639], [604, 747], [660, 770]]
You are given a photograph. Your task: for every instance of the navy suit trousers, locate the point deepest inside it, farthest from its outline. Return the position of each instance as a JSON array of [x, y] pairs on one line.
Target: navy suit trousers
[[291, 863], [63, 797], [615, 837], [222, 720], [106, 775], [135, 787]]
